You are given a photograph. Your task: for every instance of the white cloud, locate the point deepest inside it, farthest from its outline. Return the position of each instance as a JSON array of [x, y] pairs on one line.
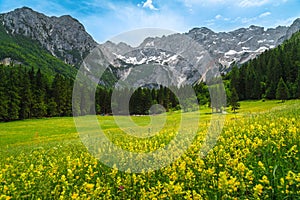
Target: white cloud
[[127, 17], [149, 4], [253, 3], [264, 14], [218, 16]]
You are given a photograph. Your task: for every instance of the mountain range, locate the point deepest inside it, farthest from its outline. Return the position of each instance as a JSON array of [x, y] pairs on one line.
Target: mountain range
[[186, 56]]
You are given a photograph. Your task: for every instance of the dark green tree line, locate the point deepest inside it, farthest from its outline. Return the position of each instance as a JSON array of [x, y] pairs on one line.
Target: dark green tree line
[[260, 77], [28, 94]]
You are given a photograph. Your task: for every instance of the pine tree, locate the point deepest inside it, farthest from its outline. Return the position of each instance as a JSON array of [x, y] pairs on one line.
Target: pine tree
[[147, 101], [234, 100], [13, 95], [59, 93], [26, 96], [51, 108], [271, 91], [166, 101], [3, 95], [297, 93], [242, 83], [234, 77], [282, 92], [39, 107]]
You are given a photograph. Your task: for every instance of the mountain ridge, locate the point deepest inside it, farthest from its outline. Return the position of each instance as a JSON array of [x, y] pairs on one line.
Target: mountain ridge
[[66, 38], [224, 48]]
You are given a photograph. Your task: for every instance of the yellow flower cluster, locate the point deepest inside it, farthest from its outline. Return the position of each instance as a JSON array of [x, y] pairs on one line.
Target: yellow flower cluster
[[256, 157]]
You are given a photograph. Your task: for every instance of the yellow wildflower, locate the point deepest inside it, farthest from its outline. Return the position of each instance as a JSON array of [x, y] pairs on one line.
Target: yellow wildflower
[[89, 186], [261, 165], [265, 180], [74, 196], [258, 189]]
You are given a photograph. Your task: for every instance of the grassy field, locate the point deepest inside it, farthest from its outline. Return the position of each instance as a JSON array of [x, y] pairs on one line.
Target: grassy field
[[256, 157]]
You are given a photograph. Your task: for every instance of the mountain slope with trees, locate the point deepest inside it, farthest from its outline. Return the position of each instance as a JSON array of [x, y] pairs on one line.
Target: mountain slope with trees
[[21, 50], [64, 37], [275, 74]]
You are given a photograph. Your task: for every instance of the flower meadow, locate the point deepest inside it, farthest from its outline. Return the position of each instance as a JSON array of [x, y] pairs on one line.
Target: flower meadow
[[256, 157]]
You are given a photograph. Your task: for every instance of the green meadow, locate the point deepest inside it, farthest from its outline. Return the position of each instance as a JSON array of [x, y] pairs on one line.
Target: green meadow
[[256, 157], [30, 132]]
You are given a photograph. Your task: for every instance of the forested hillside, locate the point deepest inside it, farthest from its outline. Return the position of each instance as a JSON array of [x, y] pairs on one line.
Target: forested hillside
[[275, 74], [29, 53], [29, 94]]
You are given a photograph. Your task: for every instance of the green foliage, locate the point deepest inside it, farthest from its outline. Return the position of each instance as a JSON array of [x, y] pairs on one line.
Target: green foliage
[[3, 95], [26, 94], [234, 100], [260, 77], [282, 92], [30, 54]]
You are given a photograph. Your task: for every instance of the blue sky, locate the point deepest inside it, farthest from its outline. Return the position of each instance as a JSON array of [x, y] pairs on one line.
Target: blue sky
[[104, 19]]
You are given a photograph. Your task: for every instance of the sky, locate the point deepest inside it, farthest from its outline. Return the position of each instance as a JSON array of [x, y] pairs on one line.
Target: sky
[[107, 19]]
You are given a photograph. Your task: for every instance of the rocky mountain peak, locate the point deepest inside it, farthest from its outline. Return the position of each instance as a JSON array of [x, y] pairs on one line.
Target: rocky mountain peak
[[24, 9], [293, 28], [296, 22], [202, 31], [256, 29], [64, 37]]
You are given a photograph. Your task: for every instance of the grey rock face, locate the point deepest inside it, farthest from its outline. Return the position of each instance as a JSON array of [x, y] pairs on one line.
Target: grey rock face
[[293, 28], [203, 51], [63, 36], [178, 56], [243, 44]]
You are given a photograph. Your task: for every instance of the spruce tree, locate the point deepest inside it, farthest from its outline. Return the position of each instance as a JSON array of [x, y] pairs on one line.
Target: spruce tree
[[297, 93], [282, 92], [26, 96], [3, 95], [234, 100], [39, 107], [13, 95], [234, 77]]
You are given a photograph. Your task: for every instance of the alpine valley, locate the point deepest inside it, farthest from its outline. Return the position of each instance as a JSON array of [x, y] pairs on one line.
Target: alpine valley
[[195, 115]]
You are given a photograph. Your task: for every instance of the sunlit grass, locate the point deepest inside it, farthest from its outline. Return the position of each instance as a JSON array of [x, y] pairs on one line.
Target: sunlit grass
[[256, 157]]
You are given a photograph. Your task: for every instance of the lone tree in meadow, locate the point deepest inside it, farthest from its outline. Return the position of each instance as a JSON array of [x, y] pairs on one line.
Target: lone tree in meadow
[[234, 100], [282, 92]]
